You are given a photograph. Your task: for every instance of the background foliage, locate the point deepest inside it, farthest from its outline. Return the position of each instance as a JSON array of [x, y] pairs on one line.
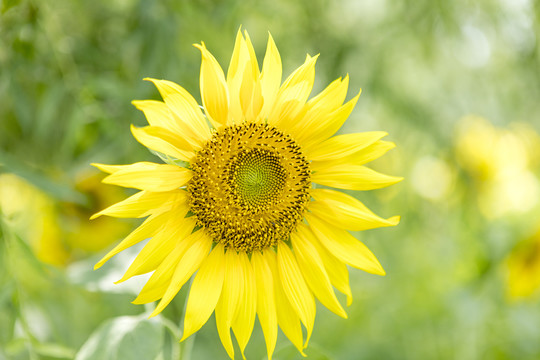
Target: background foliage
[[455, 83]]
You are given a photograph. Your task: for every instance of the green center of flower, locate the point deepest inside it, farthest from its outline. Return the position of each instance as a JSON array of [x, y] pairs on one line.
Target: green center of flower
[[257, 177], [250, 186]]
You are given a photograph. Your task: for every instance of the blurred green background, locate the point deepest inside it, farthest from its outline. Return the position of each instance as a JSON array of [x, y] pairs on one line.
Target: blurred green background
[[455, 83]]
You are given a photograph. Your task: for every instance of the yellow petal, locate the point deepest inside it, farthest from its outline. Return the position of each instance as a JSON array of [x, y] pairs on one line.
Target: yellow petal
[[346, 212], [295, 288], [188, 264], [163, 141], [288, 105], [233, 288], [143, 204], [213, 86], [239, 56], [245, 97], [319, 108], [270, 77], [237, 65], [266, 304], [353, 177], [157, 284], [328, 126], [344, 246], [343, 145], [160, 245], [109, 169], [370, 153], [252, 56], [330, 99], [288, 319], [313, 270], [205, 291], [158, 114], [184, 110], [293, 94], [150, 176], [337, 271], [244, 319], [147, 229], [251, 98]]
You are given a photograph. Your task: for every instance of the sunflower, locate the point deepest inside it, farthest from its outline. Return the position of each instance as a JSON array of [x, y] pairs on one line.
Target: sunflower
[[236, 201]]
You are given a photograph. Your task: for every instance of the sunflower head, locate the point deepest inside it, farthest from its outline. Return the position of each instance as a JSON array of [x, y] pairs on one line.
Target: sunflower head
[[235, 201], [250, 186]]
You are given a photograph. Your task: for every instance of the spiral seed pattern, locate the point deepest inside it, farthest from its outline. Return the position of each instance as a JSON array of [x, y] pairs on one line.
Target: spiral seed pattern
[[250, 186]]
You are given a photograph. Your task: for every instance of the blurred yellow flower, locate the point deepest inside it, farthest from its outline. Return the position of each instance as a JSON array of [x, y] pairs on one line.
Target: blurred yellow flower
[[81, 235], [523, 269], [31, 214], [500, 160], [438, 185], [59, 232], [235, 199]]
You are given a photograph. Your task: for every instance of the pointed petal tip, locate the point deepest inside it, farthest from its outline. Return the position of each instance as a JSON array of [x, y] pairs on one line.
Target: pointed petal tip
[[139, 301], [124, 278], [109, 169], [133, 129], [95, 216], [341, 313], [153, 81], [97, 165], [311, 59], [201, 47], [185, 336], [376, 268]]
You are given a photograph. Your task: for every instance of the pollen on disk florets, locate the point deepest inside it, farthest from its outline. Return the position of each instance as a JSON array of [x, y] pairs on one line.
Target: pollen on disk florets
[[250, 186]]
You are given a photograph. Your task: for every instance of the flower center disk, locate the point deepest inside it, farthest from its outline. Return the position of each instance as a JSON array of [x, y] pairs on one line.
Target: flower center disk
[[250, 186]]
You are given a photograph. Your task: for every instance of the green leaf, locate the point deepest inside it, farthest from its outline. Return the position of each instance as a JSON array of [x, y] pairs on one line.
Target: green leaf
[[124, 338]]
